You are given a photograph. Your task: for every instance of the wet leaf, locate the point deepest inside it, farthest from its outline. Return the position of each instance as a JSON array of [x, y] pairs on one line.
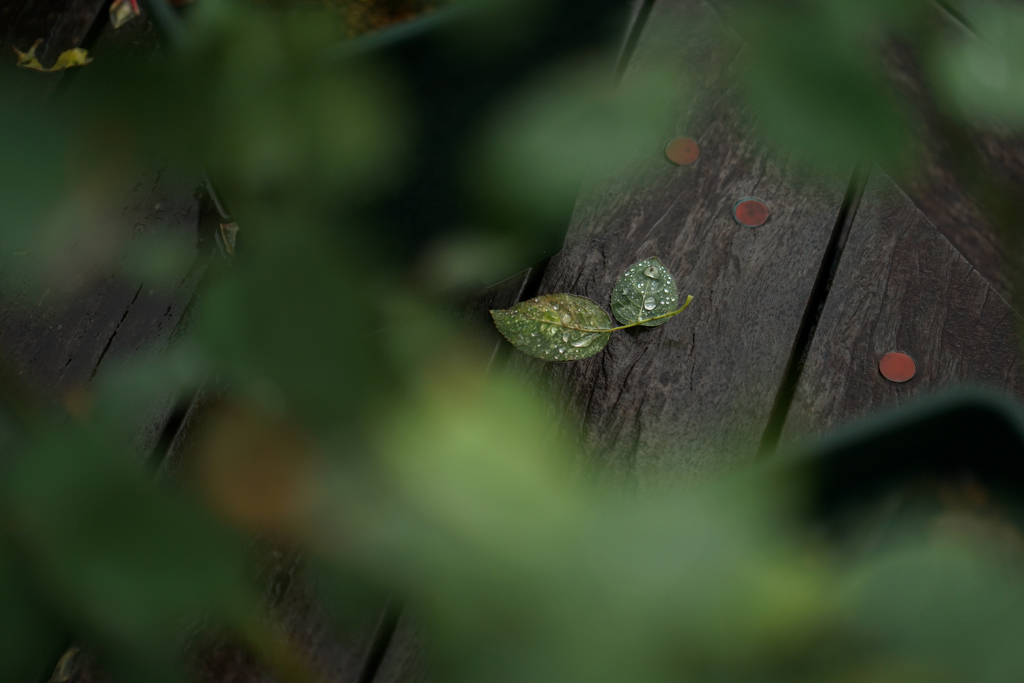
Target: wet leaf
[[645, 291], [67, 59], [555, 327]]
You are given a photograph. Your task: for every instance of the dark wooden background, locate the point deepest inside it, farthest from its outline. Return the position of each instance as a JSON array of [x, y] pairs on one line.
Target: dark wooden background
[[782, 341]]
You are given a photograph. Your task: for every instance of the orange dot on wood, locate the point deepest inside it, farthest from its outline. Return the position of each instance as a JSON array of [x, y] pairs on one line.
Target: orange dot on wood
[[682, 151], [897, 367], [750, 212]]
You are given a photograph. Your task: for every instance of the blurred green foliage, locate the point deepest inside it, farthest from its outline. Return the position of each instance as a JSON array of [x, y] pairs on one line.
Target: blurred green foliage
[[359, 423]]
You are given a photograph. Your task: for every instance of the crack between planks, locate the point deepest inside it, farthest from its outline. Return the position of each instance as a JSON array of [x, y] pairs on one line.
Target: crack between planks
[[110, 341], [632, 39], [382, 637], [385, 632], [956, 15], [812, 312]]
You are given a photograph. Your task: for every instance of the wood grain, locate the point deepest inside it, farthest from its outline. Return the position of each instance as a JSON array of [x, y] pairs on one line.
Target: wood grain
[[692, 397], [334, 655], [57, 339], [934, 180], [472, 311], [937, 186], [406, 658], [61, 24], [901, 286]]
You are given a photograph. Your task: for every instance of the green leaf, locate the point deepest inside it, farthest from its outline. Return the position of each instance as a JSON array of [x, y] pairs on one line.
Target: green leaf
[[129, 562], [555, 327], [980, 75], [645, 291], [818, 84], [30, 637]]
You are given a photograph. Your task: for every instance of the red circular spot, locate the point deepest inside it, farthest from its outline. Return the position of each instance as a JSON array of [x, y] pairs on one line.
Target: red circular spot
[[897, 367], [750, 212], [682, 151]]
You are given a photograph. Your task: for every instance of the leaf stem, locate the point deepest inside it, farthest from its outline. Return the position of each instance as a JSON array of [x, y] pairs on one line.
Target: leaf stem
[[682, 308]]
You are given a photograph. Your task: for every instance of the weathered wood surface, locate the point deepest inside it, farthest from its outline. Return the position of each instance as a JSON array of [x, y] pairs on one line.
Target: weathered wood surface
[[901, 286], [333, 655], [692, 397], [57, 339], [936, 184], [472, 311], [406, 658], [938, 188], [337, 656], [61, 24]]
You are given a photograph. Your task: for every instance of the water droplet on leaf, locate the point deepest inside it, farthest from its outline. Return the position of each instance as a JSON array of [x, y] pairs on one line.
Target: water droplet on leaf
[[525, 324], [644, 292]]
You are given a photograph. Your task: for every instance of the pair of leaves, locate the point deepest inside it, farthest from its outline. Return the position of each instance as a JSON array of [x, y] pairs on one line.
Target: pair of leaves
[[564, 327]]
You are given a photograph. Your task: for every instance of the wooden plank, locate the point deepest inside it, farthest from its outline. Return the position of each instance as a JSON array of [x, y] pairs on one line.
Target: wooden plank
[[56, 340], [62, 25], [472, 311], [406, 657], [692, 397], [901, 286], [335, 656], [937, 187]]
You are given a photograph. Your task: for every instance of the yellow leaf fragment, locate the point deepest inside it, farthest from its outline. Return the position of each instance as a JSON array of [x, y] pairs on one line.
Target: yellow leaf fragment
[[67, 59]]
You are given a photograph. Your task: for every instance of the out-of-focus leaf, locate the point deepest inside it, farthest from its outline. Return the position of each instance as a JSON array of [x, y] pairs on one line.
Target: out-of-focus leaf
[[160, 258], [942, 605], [467, 261], [818, 87], [31, 181], [555, 327], [255, 468], [122, 558], [291, 325], [74, 57], [351, 600], [276, 123], [566, 125], [981, 75], [520, 572], [646, 290], [30, 637]]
